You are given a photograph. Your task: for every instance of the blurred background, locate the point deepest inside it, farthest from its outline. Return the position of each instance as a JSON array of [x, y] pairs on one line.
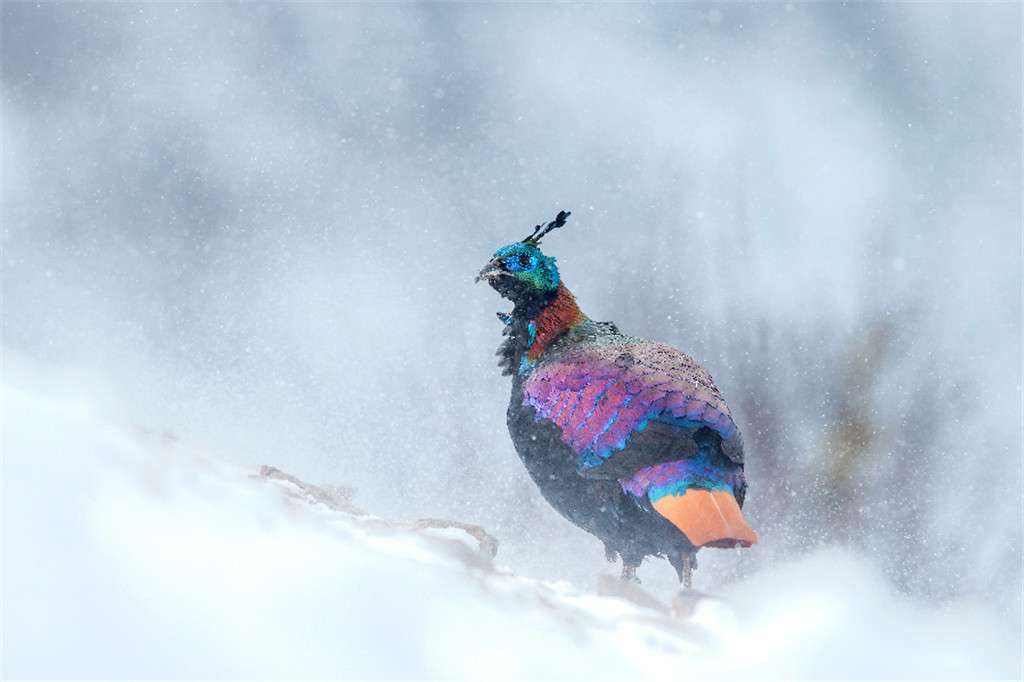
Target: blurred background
[[255, 227]]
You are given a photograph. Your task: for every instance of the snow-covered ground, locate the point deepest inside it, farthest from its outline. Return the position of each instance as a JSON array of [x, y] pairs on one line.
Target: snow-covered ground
[[129, 554]]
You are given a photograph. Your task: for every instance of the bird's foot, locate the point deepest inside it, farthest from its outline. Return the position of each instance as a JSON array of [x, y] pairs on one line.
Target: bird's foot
[[685, 602], [610, 586], [629, 574]]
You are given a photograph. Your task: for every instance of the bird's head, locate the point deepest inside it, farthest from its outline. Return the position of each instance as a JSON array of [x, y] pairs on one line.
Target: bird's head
[[521, 272]]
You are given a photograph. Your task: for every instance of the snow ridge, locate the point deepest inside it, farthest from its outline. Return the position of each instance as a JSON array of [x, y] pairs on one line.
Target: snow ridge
[[138, 556]]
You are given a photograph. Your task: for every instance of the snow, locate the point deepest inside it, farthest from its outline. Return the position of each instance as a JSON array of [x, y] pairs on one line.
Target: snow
[[257, 228], [132, 555], [236, 235]]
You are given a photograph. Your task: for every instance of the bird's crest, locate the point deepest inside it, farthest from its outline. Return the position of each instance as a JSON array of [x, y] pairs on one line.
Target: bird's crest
[[540, 230]]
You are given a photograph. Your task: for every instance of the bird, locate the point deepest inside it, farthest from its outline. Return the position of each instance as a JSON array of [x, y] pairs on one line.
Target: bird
[[628, 439]]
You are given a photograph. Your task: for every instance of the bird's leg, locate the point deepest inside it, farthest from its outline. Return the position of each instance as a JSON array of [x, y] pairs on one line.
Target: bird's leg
[[687, 571], [628, 574], [685, 601]]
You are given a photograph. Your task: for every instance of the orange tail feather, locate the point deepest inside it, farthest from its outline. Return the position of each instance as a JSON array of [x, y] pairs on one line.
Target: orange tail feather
[[708, 518]]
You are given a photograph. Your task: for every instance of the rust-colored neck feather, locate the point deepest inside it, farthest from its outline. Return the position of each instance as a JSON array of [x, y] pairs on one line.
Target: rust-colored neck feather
[[558, 316]]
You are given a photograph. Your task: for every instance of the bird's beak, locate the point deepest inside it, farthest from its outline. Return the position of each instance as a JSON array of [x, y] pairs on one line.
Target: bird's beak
[[491, 271]]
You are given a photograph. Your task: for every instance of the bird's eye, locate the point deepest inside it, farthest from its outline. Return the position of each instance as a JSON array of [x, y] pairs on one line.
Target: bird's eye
[[521, 262]]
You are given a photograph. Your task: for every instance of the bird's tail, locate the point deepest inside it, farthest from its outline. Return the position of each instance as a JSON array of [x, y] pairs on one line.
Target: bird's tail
[[708, 518]]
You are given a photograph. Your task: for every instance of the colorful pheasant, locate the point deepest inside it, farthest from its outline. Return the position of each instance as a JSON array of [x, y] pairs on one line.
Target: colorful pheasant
[[628, 439]]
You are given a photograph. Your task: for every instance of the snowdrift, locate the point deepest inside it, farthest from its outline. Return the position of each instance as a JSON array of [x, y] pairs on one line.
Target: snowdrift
[[127, 554]]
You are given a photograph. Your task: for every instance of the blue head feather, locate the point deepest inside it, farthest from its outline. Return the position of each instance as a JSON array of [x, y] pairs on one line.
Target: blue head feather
[[528, 264]]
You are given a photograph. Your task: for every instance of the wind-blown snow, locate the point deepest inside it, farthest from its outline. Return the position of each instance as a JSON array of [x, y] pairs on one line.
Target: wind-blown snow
[[129, 554], [257, 226]]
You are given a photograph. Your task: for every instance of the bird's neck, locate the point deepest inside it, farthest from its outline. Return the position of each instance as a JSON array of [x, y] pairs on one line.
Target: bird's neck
[[559, 316], [535, 325]]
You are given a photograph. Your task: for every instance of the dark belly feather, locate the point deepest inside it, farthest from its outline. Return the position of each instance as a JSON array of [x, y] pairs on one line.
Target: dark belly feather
[[599, 506]]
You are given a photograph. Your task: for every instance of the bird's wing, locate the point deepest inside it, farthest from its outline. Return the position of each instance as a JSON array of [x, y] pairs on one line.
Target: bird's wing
[[624, 405]]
